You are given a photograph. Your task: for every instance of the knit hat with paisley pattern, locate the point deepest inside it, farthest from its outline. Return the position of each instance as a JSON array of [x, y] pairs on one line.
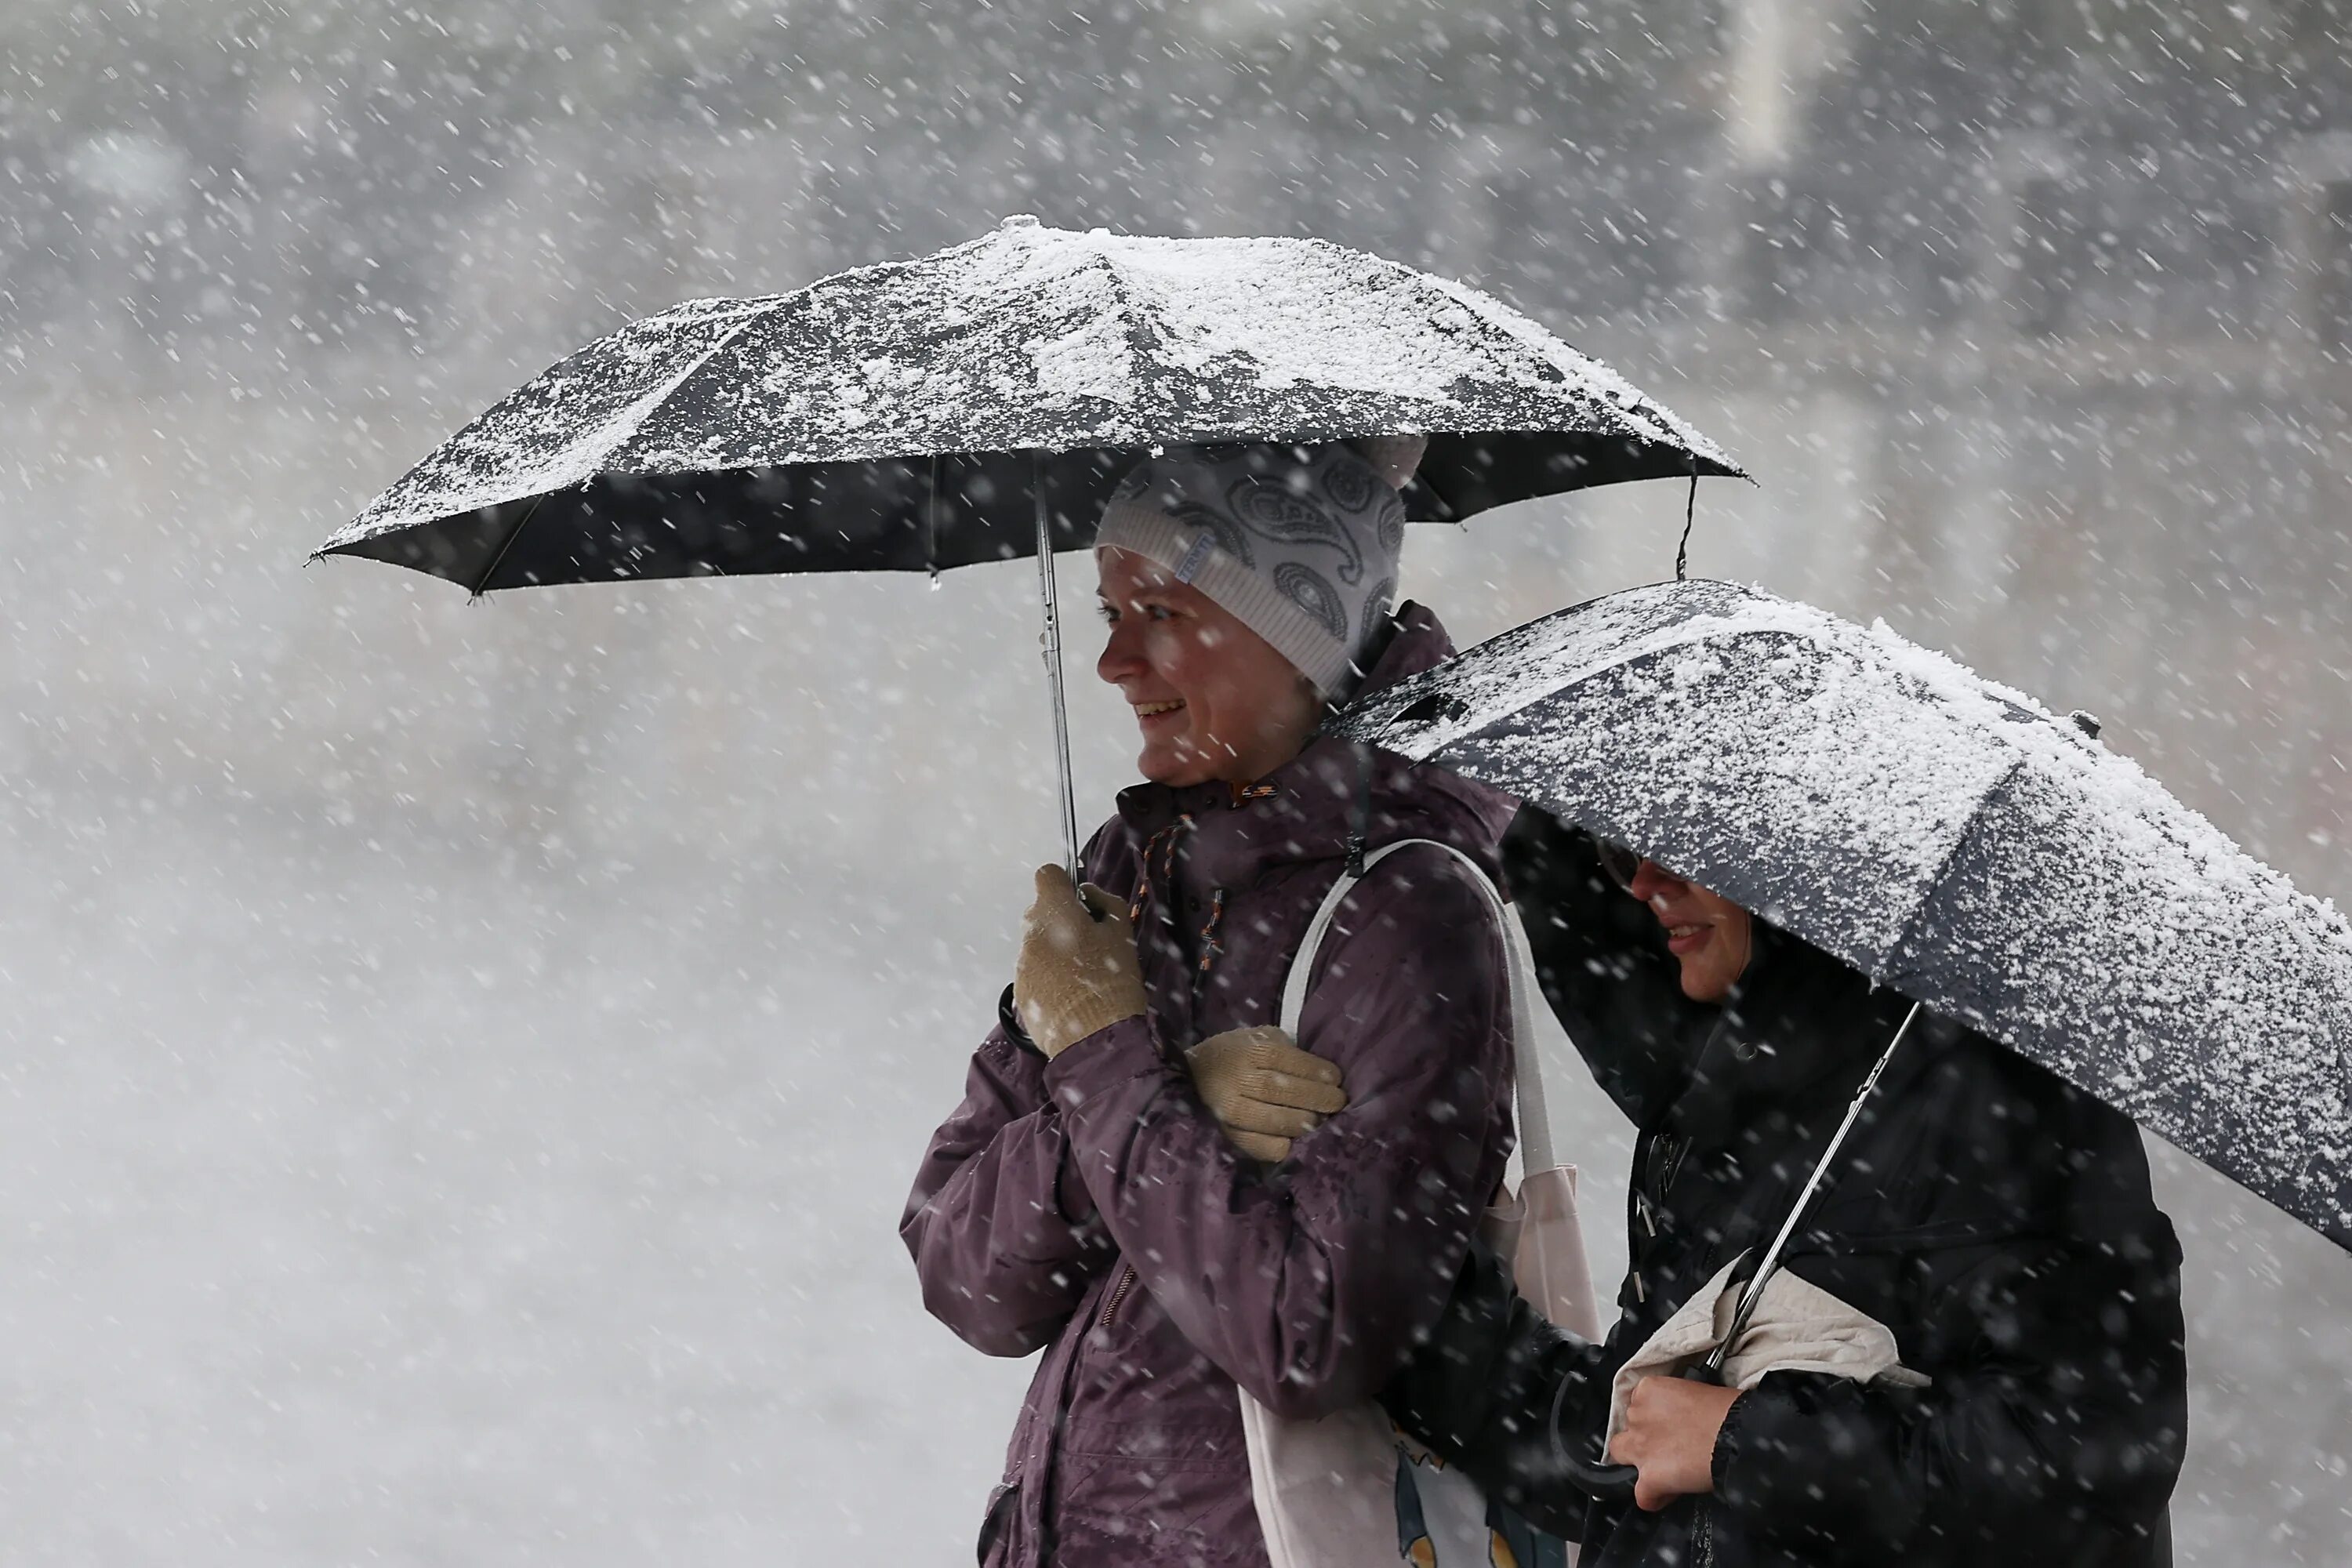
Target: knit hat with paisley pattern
[[1300, 543]]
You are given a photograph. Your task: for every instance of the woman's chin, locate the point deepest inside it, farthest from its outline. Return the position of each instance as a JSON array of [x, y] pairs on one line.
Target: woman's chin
[[1700, 980], [1175, 767], [1704, 986]]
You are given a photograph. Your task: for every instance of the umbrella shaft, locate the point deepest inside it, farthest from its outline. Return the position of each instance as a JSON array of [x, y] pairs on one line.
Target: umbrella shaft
[[1053, 645], [1764, 1270]]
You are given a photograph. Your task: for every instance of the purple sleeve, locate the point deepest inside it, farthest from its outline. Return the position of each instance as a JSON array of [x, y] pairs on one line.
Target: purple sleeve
[[1003, 1238], [1308, 1285]]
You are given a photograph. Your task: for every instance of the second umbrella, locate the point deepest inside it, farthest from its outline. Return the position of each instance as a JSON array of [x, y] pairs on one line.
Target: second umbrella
[[1950, 838]]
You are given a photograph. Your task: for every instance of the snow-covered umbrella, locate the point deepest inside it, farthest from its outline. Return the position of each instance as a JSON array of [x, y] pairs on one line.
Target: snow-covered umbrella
[[1946, 835], [978, 404]]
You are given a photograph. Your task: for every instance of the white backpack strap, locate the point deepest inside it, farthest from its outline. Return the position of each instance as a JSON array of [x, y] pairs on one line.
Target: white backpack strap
[[1535, 1117], [1535, 1122]]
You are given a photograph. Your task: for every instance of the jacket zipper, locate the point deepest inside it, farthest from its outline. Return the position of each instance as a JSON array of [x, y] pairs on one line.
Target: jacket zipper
[[1117, 1294]]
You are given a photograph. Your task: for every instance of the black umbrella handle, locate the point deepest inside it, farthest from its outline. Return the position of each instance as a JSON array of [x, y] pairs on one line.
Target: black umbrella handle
[[1596, 1479], [1605, 1482], [1600, 1482]]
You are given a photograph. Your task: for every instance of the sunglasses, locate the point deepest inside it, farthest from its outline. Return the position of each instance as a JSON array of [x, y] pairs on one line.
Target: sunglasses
[[1621, 863]]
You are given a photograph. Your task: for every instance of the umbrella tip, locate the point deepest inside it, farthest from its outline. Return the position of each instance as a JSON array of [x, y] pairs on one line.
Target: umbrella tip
[[2086, 722], [1021, 220]]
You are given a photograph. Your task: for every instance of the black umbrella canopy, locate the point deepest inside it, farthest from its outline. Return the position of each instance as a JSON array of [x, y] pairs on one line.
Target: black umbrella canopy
[[1948, 837], [890, 419]]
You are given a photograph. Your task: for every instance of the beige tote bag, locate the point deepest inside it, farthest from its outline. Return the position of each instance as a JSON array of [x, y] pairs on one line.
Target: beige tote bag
[[1350, 1489]]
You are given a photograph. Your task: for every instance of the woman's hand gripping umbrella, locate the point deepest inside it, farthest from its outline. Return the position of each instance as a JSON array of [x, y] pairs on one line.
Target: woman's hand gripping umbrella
[[1078, 970]]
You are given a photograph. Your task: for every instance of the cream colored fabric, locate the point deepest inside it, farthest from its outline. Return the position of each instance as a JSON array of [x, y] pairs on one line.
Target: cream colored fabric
[[1076, 973], [1797, 1327], [1263, 1089], [1537, 1229]]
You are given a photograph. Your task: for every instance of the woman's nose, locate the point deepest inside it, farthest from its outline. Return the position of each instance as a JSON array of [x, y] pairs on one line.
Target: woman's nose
[[1119, 657], [1650, 880]]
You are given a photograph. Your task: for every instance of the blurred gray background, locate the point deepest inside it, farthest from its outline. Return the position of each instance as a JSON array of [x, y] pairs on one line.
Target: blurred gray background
[[459, 1065]]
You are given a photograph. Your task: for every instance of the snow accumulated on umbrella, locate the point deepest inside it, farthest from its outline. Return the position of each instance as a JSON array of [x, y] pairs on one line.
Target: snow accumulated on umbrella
[[1949, 836], [884, 416]]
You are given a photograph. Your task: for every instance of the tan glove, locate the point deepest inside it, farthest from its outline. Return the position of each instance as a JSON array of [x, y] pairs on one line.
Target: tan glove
[[1263, 1089], [1075, 973]]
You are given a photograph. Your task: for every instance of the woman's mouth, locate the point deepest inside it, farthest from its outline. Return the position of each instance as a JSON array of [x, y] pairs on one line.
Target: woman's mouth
[[1687, 938], [1146, 713]]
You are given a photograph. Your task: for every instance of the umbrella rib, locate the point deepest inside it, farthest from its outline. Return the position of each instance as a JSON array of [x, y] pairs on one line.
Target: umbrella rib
[[1131, 321], [482, 584], [645, 404], [1690, 515], [1944, 865], [1683, 632], [1446, 502], [351, 533]]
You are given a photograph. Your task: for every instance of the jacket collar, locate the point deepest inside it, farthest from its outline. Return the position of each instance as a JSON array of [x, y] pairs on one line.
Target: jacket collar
[[1795, 1036]]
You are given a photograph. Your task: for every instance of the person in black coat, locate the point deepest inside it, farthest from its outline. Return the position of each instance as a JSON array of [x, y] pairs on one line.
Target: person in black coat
[[1997, 1219]]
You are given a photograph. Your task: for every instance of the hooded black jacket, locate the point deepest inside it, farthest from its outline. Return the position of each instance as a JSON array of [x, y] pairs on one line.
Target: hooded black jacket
[[1997, 1220]]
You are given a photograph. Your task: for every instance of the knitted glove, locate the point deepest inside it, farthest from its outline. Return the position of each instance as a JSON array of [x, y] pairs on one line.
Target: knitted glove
[[1263, 1089], [1076, 973]]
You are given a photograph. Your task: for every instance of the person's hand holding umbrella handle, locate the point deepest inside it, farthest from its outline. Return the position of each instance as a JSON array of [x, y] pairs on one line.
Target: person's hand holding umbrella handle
[[1623, 1480], [1668, 1439], [1077, 972]]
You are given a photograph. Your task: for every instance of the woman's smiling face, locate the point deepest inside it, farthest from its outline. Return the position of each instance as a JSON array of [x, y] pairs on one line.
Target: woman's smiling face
[[1706, 932], [1212, 699]]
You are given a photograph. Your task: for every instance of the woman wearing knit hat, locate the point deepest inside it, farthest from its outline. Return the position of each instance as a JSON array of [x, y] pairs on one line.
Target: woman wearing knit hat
[[1105, 1192]]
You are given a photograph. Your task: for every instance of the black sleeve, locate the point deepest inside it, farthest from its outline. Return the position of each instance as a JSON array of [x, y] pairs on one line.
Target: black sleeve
[[1482, 1388], [1602, 964], [2054, 1428]]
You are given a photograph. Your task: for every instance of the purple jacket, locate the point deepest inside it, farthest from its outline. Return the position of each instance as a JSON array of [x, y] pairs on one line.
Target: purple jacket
[[1092, 1206]]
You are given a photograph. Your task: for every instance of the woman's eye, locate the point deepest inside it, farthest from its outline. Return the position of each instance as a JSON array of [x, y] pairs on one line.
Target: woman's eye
[[1109, 616], [1161, 612]]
